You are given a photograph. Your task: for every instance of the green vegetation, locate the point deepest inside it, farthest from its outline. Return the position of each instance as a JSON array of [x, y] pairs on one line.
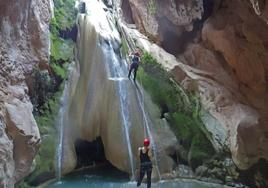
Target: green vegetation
[[151, 7], [64, 16], [46, 120], [61, 49], [124, 47], [25, 185], [61, 52], [180, 108], [48, 87]]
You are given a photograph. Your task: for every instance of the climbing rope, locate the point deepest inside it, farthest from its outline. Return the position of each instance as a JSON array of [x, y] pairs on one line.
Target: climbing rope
[[142, 103], [131, 46]]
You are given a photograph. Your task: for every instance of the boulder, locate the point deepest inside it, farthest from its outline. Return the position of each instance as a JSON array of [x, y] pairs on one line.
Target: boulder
[[23, 130], [184, 171]]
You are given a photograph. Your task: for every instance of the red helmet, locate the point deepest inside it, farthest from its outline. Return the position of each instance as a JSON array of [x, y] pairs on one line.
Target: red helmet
[[146, 142], [137, 53]]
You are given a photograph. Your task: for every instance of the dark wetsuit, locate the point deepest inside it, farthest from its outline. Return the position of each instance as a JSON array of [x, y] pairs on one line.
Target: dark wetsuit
[[146, 166], [134, 65]]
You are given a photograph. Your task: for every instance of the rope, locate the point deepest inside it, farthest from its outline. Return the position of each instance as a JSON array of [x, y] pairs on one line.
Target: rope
[[142, 102], [131, 46]]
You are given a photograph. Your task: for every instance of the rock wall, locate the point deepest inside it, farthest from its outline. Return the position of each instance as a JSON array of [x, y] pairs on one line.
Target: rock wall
[[164, 22], [235, 40], [224, 59], [24, 38]]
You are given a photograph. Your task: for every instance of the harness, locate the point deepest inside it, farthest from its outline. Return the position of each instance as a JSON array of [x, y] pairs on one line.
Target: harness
[[145, 159], [135, 59]]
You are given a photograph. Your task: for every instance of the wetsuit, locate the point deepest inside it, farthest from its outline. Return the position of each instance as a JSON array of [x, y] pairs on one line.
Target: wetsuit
[[146, 166], [134, 65]]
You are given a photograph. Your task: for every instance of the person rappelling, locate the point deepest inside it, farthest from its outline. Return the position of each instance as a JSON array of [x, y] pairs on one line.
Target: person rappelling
[[146, 166], [135, 58]]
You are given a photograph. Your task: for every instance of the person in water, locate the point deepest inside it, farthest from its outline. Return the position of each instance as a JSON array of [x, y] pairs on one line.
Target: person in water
[[135, 58], [146, 166]]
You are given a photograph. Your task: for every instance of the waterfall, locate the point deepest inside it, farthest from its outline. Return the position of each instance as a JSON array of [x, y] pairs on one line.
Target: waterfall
[[62, 119], [60, 143], [104, 102], [116, 71]]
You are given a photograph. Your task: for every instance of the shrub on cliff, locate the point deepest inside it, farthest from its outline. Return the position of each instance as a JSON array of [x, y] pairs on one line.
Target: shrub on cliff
[[64, 15]]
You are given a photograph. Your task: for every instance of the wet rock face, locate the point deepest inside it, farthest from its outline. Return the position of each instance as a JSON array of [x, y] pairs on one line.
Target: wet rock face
[[226, 62], [24, 38], [113, 111]]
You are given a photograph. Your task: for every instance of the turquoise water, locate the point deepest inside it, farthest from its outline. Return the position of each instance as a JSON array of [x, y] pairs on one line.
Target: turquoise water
[[109, 178]]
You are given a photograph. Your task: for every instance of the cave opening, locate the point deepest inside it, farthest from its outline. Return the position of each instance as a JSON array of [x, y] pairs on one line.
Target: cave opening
[[89, 153], [256, 175], [177, 159], [164, 110], [91, 159], [208, 6], [175, 41]]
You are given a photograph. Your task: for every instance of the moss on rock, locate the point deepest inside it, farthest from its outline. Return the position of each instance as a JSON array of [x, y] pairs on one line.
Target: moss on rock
[[200, 151], [61, 49], [180, 108]]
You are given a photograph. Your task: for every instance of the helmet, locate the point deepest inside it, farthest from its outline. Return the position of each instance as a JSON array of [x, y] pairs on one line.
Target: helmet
[[146, 142], [137, 53]]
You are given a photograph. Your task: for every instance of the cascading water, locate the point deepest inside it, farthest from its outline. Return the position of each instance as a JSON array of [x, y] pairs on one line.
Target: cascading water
[[60, 143], [147, 128], [147, 131], [117, 72], [60, 126]]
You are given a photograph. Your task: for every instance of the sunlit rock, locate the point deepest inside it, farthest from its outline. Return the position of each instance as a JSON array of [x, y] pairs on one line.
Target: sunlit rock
[[24, 40], [22, 128]]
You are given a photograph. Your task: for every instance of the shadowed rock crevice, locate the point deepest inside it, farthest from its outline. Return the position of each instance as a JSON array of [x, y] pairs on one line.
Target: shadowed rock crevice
[[257, 175], [89, 153], [176, 38], [127, 12], [171, 36], [208, 6], [69, 33]]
